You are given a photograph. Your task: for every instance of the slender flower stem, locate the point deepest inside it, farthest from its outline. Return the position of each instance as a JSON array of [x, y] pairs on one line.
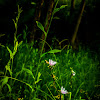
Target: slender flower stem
[[69, 95], [62, 96]]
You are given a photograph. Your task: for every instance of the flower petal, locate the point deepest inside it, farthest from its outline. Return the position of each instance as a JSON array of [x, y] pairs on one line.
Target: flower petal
[[63, 91], [51, 62]]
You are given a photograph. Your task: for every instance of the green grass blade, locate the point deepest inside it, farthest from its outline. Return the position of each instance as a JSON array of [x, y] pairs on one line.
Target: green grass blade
[[54, 51]]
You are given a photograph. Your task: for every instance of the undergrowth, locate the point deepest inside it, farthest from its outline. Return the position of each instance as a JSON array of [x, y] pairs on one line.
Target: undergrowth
[[24, 74]]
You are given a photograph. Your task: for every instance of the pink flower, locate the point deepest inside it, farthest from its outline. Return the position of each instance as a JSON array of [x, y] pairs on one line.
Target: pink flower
[[63, 91], [51, 62]]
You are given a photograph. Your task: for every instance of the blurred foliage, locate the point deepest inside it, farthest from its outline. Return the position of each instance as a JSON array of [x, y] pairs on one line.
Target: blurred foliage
[[62, 25]]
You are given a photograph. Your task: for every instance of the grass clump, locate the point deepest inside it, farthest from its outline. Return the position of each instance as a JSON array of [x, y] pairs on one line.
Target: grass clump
[[33, 79]]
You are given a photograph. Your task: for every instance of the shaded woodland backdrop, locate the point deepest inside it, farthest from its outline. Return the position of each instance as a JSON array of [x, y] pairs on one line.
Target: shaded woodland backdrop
[[78, 21], [75, 23]]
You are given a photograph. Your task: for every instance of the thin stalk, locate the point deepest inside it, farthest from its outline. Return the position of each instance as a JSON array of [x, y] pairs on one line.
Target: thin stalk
[[49, 26]]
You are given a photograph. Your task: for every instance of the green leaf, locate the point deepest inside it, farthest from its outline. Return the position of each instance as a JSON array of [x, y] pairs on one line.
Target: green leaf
[[41, 27], [57, 9], [8, 68], [33, 3], [1, 73], [14, 21], [16, 45], [43, 54], [2, 45], [30, 86], [4, 81], [9, 87], [19, 36], [2, 35], [36, 99], [10, 51], [37, 81], [39, 74], [54, 51], [63, 6], [29, 72], [20, 43], [56, 17]]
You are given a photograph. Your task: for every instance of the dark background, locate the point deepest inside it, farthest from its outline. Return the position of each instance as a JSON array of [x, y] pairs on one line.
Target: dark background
[[63, 28]]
